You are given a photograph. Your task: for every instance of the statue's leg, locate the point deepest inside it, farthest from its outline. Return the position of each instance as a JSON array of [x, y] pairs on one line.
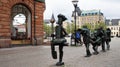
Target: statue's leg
[[54, 53], [103, 46], [60, 55], [95, 48], [81, 42], [87, 50], [52, 47], [108, 45]]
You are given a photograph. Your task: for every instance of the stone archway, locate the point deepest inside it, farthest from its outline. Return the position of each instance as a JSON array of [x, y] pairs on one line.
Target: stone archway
[[21, 24], [34, 18]]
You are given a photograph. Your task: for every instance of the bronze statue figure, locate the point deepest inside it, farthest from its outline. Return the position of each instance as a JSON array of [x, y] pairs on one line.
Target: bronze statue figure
[[58, 39], [101, 33], [95, 41], [86, 39], [108, 38]]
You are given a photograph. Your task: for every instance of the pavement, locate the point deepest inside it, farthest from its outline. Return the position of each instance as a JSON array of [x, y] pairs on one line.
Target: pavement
[[40, 56]]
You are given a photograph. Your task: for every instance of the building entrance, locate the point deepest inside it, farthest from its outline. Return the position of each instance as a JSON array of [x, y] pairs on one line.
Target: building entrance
[[21, 25]]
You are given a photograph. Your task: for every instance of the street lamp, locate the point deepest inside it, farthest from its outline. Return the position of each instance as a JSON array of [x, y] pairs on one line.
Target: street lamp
[[52, 20], [75, 6]]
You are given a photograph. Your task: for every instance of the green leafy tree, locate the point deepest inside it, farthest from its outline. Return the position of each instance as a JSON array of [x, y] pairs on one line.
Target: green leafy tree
[[89, 26], [100, 24], [68, 28], [47, 29], [72, 27], [93, 27]]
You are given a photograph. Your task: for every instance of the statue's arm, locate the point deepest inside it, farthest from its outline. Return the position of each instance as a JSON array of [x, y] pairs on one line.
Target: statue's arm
[[65, 33]]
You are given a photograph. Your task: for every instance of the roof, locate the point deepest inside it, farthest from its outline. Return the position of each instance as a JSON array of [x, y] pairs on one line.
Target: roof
[[113, 22], [87, 12], [91, 12], [107, 21]]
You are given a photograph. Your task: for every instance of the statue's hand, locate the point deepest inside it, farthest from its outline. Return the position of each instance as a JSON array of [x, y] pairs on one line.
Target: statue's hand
[[92, 41]]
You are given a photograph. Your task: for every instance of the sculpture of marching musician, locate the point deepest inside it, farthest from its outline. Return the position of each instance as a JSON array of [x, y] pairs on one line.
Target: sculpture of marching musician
[[86, 39], [95, 41], [59, 39], [108, 38]]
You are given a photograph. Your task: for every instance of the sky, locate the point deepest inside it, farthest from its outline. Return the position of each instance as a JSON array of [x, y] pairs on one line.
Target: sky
[[19, 19], [110, 8]]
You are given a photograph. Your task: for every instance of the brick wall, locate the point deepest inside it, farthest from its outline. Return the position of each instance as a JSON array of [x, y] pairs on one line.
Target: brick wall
[[5, 20]]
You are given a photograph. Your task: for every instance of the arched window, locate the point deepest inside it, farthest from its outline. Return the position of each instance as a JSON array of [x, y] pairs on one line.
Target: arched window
[[21, 22]]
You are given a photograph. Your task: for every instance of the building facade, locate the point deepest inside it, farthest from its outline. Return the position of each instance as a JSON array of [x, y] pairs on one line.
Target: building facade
[[91, 17], [114, 25], [33, 22]]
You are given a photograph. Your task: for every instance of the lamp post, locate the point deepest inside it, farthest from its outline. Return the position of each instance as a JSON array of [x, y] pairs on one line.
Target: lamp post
[[75, 6], [52, 20]]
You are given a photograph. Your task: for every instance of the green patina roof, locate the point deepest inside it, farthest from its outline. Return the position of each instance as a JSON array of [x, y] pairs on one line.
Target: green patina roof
[[91, 12], [40, 1]]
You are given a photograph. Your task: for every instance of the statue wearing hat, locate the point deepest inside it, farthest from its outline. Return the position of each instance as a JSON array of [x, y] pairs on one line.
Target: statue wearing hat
[[59, 40]]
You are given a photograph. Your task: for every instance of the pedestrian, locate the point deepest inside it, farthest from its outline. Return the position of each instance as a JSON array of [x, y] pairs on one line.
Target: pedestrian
[[78, 37]]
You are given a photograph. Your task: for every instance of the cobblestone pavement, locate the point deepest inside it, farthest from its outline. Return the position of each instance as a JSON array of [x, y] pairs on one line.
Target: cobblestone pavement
[[40, 56]]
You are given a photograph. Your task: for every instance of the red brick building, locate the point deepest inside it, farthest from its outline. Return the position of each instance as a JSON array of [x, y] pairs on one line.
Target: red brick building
[[33, 11]]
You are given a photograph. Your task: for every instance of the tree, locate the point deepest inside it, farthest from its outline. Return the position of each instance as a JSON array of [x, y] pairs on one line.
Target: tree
[[100, 24], [47, 29], [96, 26], [72, 27], [89, 26], [68, 28]]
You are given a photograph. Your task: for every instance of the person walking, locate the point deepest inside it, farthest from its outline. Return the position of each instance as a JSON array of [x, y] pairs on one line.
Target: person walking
[[78, 37]]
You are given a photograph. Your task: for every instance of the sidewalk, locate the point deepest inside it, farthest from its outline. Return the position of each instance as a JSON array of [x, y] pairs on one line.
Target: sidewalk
[[40, 56]]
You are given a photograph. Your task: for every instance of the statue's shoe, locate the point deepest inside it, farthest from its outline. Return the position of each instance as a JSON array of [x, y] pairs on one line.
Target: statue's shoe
[[88, 55], [59, 63], [95, 53], [103, 51]]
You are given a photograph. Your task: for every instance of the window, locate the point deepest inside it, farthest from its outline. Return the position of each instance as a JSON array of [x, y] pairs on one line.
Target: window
[[111, 33], [82, 14], [85, 14], [111, 28], [92, 13], [95, 13]]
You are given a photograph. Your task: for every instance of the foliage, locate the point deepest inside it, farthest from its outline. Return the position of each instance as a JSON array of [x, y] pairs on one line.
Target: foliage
[[47, 29], [68, 28], [92, 27], [73, 27]]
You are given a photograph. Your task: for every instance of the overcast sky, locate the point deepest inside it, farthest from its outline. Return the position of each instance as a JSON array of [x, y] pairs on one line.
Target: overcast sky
[[110, 8]]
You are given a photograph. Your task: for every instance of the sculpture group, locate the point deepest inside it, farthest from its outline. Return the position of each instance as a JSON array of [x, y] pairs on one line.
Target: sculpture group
[[96, 38]]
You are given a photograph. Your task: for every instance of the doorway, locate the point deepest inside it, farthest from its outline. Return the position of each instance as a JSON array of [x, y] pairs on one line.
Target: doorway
[[21, 25]]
